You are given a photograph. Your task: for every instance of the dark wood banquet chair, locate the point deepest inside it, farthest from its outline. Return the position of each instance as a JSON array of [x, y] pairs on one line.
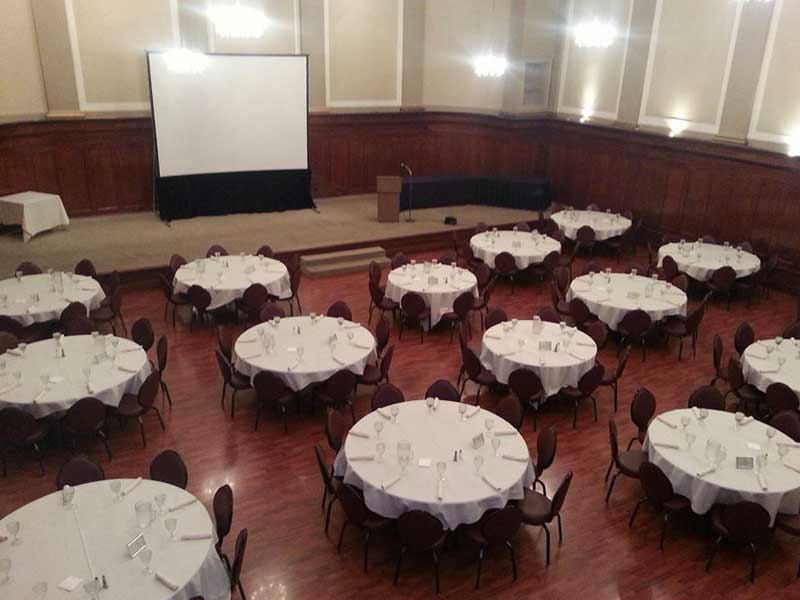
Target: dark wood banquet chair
[[419, 533], [200, 300], [566, 259], [749, 397], [681, 282], [548, 226], [742, 524], [269, 311], [398, 260], [172, 298], [142, 333], [587, 386], [481, 227], [510, 409], [526, 386], [292, 263], [635, 327], [495, 528], [339, 309], [598, 331], [266, 251], [448, 258], [73, 310], [9, 325], [377, 374], [162, 353], [538, 510], [8, 341], [386, 394], [338, 390], [414, 313], [717, 351], [549, 315], [375, 271], [86, 268], [792, 331], [19, 431], [77, 326], [28, 268], [254, 298], [176, 261], [86, 419], [216, 249], [111, 313], [723, 283], [585, 239], [681, 327], [459, 316], [169, 467], [553, 270], [611, 378], [337, 425], [230, 378], [643, 409], [226, 338], [779, 397], [77, 471], [358, 515], [523, 226], [444, 390], [505, 267], [136, 406], [743, 337], [707, 396], [669, 269], [658, 491], [546, 443], [495, 316], [627, 463], [272, 393], [238, 561], [580, 314], [223, 519], [294, 292], [379, 301], [382, 332], [709, 239], [558, 300], [476, 373], [330, 485], [787, 422]]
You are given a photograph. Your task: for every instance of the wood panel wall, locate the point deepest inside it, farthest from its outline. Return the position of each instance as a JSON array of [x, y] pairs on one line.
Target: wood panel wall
[[682, 186]]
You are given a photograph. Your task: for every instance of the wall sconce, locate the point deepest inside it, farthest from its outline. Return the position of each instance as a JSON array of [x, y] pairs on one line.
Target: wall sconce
[[490, 65], [594, 34], [677, 126], [236, 21], [793, 143]]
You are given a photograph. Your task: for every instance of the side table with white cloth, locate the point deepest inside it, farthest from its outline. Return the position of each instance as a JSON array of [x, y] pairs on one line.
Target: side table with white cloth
[[559, 356], [699, 260], [706, 471], [88, 539], [480, 479], [48, 377], [772, 361], [40, 298], [606, 225], [33, 211], [526, 248], [611, 296], [438, 284], [227, 277], [302, 350]]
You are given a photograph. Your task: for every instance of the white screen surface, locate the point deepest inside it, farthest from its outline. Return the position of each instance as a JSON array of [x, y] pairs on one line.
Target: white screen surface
[[241, 113]]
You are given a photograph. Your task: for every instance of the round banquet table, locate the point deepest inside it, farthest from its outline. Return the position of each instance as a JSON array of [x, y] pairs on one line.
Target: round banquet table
[[762, 369], [439, 293], [320, 359], [89, 540], [727, 484], [605, 225], [611, 296], [66, 383], [526, 248], [466, 495], [699, 260], [36, 298], [558, 367], [227, 277]]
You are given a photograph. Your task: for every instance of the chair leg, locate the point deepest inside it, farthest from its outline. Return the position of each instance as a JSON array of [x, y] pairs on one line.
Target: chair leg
[[560, 530], [286, 424], [610, 465], [397, 565], [575, 414], [480, 564], [104, 437], [635, 511], [160, 420], [341, 537], [328, 512], [713, 552], [663, 530], [258, 416], [436, 570], [165, 393], [233, 402], [141, 430], [615, 385], [39, 457], [241, 589], [594, 406], [753, 559], [478, 396], [611, 487], [680, 349], [367, 534], [513, 559], [224, 389], [547, 544]]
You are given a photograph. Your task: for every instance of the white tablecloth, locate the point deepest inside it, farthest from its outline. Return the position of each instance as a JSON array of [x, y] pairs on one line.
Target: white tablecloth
[[726, 485], [53, 536], [501, 353], [762, 370], [33, 211], [237, 274], [466, 496], [627, 293], [20, 301], [438, 296], [605, 225], [66, 382], [320, 360], [700, 260], [531, 248]]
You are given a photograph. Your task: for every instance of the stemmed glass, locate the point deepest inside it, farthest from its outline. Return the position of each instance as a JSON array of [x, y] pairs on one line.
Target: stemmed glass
[[690, 438], [67, 494], [429, 404], [496, 445], [478, 463], [300, 351], [18, 376], [39, 590], [761, 462], [380, 448], [770, 434], [395, 410], [160, 499], [116, 488], [403, 454], [378, 428], [144, 511], [171, 524], [489, 424], [146, 556], [738, 417], [782, 452], [703, 416], [720, 455], [462, 410], [92, 587], [13, 530]]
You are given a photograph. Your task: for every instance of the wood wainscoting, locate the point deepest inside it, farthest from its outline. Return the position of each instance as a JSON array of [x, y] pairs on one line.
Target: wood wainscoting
[[682, 186]]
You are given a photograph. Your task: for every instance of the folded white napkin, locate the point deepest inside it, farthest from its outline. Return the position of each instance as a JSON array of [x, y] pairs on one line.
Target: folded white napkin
[[8, 388], [473, 412], [752, 354], [696, 412], [667, 423], [187, 537], [663, 445], [762, 481], [359, 434], [522, 459], [794, 468], [789, 444], [440, 489], [246, 341], [361, 457], [586, 344], [132, 487], [251, 356], [71, 583], [134, 349], [183, 504], [505, 353], [768, 371], [87, 288], [491, 483], [747, 421], [577, 356], [338, 360], [126, 369], [359, 345], [491, 336], [14, 352], [352, 326], [167, 581], [706, 471], [505, 431], [385, 486], [384, 412]]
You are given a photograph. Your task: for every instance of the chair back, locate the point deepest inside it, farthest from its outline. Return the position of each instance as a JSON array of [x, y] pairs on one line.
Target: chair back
[[87, 415], [499, 525], [382, 332], [255, 297], [168, 467], [598, 331], [337, 424], [483, 274], [695, 318], [292, 263], [591, 380], [269, 387], [723, 278], [681, 282], [716, 353], [561, 494], [340, 386], [707, 396], [269, 311], [162, 352], [353, 504], [788, 422], [525, 384], [386, 363], [655, 484], [746, 522], [419, 531], [548, 314], [386, 394], [73, 310], [636, 323], [523, 226], [216, 249], [495, 316], [142, 333], [743, 337], [176, 261], [339, 309], [78, 326], [376, 294], [546, 443], [77, 471], [8, 341], [593, 267], [375, 272], [115, 301], [10, 325], [86, 268], [442, 389], [28, 268], [594, 207], [398, 260], [549, 226], [779, 397], [579, 312], [225, 368], [510, 409], [413, 305], [265, 250], [643, 407], [462, 305], [735, 373], [792, 331], [585, 236], [198, 297], [238, 558], [505, 263], [481, 227], [669, 268], [149, 390], [225, 341], [223, 511], [16, 426], [472, 364], [550, 263]]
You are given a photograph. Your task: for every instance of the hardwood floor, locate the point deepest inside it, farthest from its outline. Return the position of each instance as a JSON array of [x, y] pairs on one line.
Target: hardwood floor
[[277, 487]]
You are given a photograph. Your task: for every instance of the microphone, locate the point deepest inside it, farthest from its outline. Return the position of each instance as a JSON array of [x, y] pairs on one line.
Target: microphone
[[407, 168], [410, 189]]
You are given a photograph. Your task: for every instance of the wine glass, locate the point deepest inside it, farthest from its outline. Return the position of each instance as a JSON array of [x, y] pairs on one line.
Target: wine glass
[[300, 351], [761, 462], [770, 434], [13, 530], [116, 488], [92, 587], [39, 590], [441, 469], [403, 454], [378, 425], [782, 451], [478, 463], [703, 415], [146, 556], [690, 438], [160, 499], [720, 455], [395, 410], [489, 424], [171, 525], [143, 510], [67, 494], [738, 417], [429, 404], [22, 346], [380, 448], [462, 410], [685, 420], [496, 445]]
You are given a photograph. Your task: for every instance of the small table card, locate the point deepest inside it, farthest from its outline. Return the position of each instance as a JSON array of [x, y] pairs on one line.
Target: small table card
[[136, 545], [744, 462], [545, 346]]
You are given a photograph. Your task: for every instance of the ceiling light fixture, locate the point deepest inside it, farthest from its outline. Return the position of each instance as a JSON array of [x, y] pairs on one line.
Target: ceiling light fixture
[[237, 21], [594, 34], [490, 65], [183, 60]]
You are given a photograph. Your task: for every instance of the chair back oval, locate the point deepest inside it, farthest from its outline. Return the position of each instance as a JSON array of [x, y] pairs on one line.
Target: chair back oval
[[386, 394], [269, 311], [635, 323], [398, 260], [11, 326], [546, 443], [269, 387], [779, 397], [549, 226], [743, 337], [505, 263], [462, 305], [707, 396], [413, 304], [382, 332], [472, 364], [724, 278], [746, 522], [223, 511], [238, 558], [483, 274], [669, 268], [376, 294], [695, 318], [548, 314], [216, 249], [447, 258], [747, 246], [255, 296], [655, 484], [735, 373], [78, 326], [579, 312], [142, 333], [591, 380], [525, 384], [788, 422], [375, 272], [550, 261], [523, 226], [339, 309], [353, 504], [585, 235], [176, 261], [73, 310], [87, 415], [386, 363], [162, 352], [292, 263], [225, 341], [598, 331], [442, 389], [77, 471], [643, 408], [8, 341], [593, 267], [225, 368], [510, 409], [792, 331], [339, 386], [28, 268], [323, 469], [499, 525], [561, 495], [418, 530], [681, 282], [495, 316], [198, 297], [265, 250], [86, 268], [149, 390], [337, 425], [168, 467]]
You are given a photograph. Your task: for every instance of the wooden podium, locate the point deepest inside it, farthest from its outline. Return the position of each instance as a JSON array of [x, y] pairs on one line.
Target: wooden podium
[[389, 187]]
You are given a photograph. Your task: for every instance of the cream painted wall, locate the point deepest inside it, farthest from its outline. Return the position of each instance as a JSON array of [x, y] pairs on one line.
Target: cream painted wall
[[21, 86], [456, 31], [279, 38]]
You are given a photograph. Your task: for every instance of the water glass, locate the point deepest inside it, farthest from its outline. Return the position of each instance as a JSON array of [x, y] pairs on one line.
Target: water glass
[[462, 410], [429, 404], [171, 525], [378, 425], [403, 454], [782, 452], [116, 488], [160, 499], [738, 417], [67, 494], [144, 512], [770, 434], [146, 556], [18, 275], [720, 456], [761, 462], [441, 469], [690, 438], [489, 424], [496, 445], [13, 530], [395, 410], [380, 448], [478, 463]]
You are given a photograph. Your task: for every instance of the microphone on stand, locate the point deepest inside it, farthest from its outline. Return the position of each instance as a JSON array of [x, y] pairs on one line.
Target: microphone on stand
[[410, 189]]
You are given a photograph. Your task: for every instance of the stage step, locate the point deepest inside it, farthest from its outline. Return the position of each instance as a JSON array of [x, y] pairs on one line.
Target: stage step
[[346, 261]]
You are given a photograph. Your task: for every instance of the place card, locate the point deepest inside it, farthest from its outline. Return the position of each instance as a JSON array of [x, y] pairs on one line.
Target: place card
[[364, 457], [664, 445], [744, 463], [762, 481], [505, 432], [424, 462], [136, 545], [167, 581], [183, 504], [70, 584]]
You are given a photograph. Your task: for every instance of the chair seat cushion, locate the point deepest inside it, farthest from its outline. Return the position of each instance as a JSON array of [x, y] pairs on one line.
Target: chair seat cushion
[[535, 507], [563, 307], [675, 327], [478, 303], [749, 392], [129, 406], [788, 523], [677, 503], [388, 304], [630, 462], [104, 313], [474, 533], [179, 298], [239, 381], [485, 377], [372, 375]]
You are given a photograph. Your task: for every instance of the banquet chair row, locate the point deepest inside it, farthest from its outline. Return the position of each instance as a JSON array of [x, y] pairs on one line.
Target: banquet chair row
[[167, 467]]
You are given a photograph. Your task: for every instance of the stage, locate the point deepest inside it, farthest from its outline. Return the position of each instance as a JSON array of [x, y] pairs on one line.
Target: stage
[[141, 241]]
